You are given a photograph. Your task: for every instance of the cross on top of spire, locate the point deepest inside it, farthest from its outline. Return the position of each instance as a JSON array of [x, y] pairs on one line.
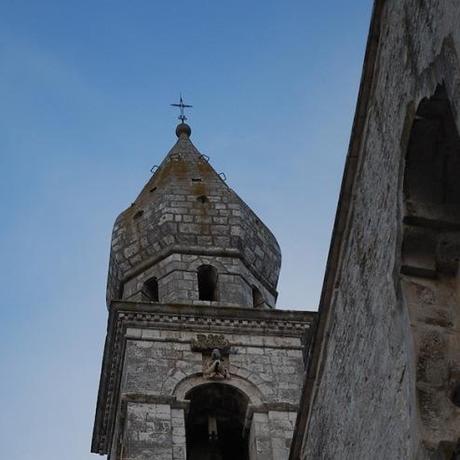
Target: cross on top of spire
[[182, 106]]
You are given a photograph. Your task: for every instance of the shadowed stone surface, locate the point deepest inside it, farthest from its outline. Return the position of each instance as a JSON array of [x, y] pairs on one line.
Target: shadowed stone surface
[[386, 355]]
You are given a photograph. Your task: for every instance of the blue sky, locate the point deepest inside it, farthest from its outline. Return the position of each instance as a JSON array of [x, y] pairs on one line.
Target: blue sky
[[85, 89]]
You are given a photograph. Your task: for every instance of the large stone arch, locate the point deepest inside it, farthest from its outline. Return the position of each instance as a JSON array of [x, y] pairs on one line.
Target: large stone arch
[[254, 395]]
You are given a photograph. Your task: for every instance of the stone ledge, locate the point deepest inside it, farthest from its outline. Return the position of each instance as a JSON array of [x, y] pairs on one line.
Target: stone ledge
[[217, 309], [155, 399]]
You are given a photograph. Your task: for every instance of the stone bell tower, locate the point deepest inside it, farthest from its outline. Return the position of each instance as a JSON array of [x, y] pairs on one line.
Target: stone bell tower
[[197, 364]]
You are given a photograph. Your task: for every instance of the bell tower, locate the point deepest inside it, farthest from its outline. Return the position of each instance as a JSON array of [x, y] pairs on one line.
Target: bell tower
[[198, 363]]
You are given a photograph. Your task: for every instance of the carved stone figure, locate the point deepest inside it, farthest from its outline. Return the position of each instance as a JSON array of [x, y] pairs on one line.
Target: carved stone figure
[[216, 368]]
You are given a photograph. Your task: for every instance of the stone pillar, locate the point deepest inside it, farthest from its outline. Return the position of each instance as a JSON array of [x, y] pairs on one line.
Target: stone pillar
[[178, 434], [281, 430], [153, 431], [270, 434], [259, 437]]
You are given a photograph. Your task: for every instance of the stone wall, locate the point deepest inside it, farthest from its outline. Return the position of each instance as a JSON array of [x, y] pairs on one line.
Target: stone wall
[[365, 400], [155, 359], [153, 431], [161, 363]]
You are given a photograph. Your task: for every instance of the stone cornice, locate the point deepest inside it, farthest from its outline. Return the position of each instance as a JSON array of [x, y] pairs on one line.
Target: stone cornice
[[216, 313]]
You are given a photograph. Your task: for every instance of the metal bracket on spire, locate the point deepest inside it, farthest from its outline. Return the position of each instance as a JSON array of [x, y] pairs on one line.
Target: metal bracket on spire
[[182, 106]]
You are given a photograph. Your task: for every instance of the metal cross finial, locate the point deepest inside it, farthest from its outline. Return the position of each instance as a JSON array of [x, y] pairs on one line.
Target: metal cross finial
[[182, 106]]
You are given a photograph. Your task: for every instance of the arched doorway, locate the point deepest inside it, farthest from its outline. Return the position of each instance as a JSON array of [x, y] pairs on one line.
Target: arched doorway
[[214, 426]]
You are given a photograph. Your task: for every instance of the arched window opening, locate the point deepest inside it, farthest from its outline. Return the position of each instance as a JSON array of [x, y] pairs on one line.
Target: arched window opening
[[432, 190], [215, 423], [258, 300], [150, 290], [433, 155], [207, 283], [456, 395]]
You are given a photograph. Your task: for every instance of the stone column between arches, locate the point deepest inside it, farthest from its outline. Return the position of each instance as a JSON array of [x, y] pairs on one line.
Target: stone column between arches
[[153, 431], [270, 434]]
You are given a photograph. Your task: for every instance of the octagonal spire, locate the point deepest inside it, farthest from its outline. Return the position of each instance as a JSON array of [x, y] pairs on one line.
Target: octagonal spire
[[187, 217]]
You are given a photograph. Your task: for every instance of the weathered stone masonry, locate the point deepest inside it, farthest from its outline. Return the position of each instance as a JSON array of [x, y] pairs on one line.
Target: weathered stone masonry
[[159, 367], [184, 213], [192, 271], [384, 369]]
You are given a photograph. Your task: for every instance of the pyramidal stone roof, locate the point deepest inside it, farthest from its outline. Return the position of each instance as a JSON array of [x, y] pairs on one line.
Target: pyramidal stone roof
[[186, 207]]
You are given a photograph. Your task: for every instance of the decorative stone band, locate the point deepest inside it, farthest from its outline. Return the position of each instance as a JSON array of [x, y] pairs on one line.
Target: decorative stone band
[[284, 323], [153, 316], [209, 342]]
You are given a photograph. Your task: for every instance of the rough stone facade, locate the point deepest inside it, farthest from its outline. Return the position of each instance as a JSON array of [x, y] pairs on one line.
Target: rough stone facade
[[163, 393], [151, 366], [186, 214], [384, 373]]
